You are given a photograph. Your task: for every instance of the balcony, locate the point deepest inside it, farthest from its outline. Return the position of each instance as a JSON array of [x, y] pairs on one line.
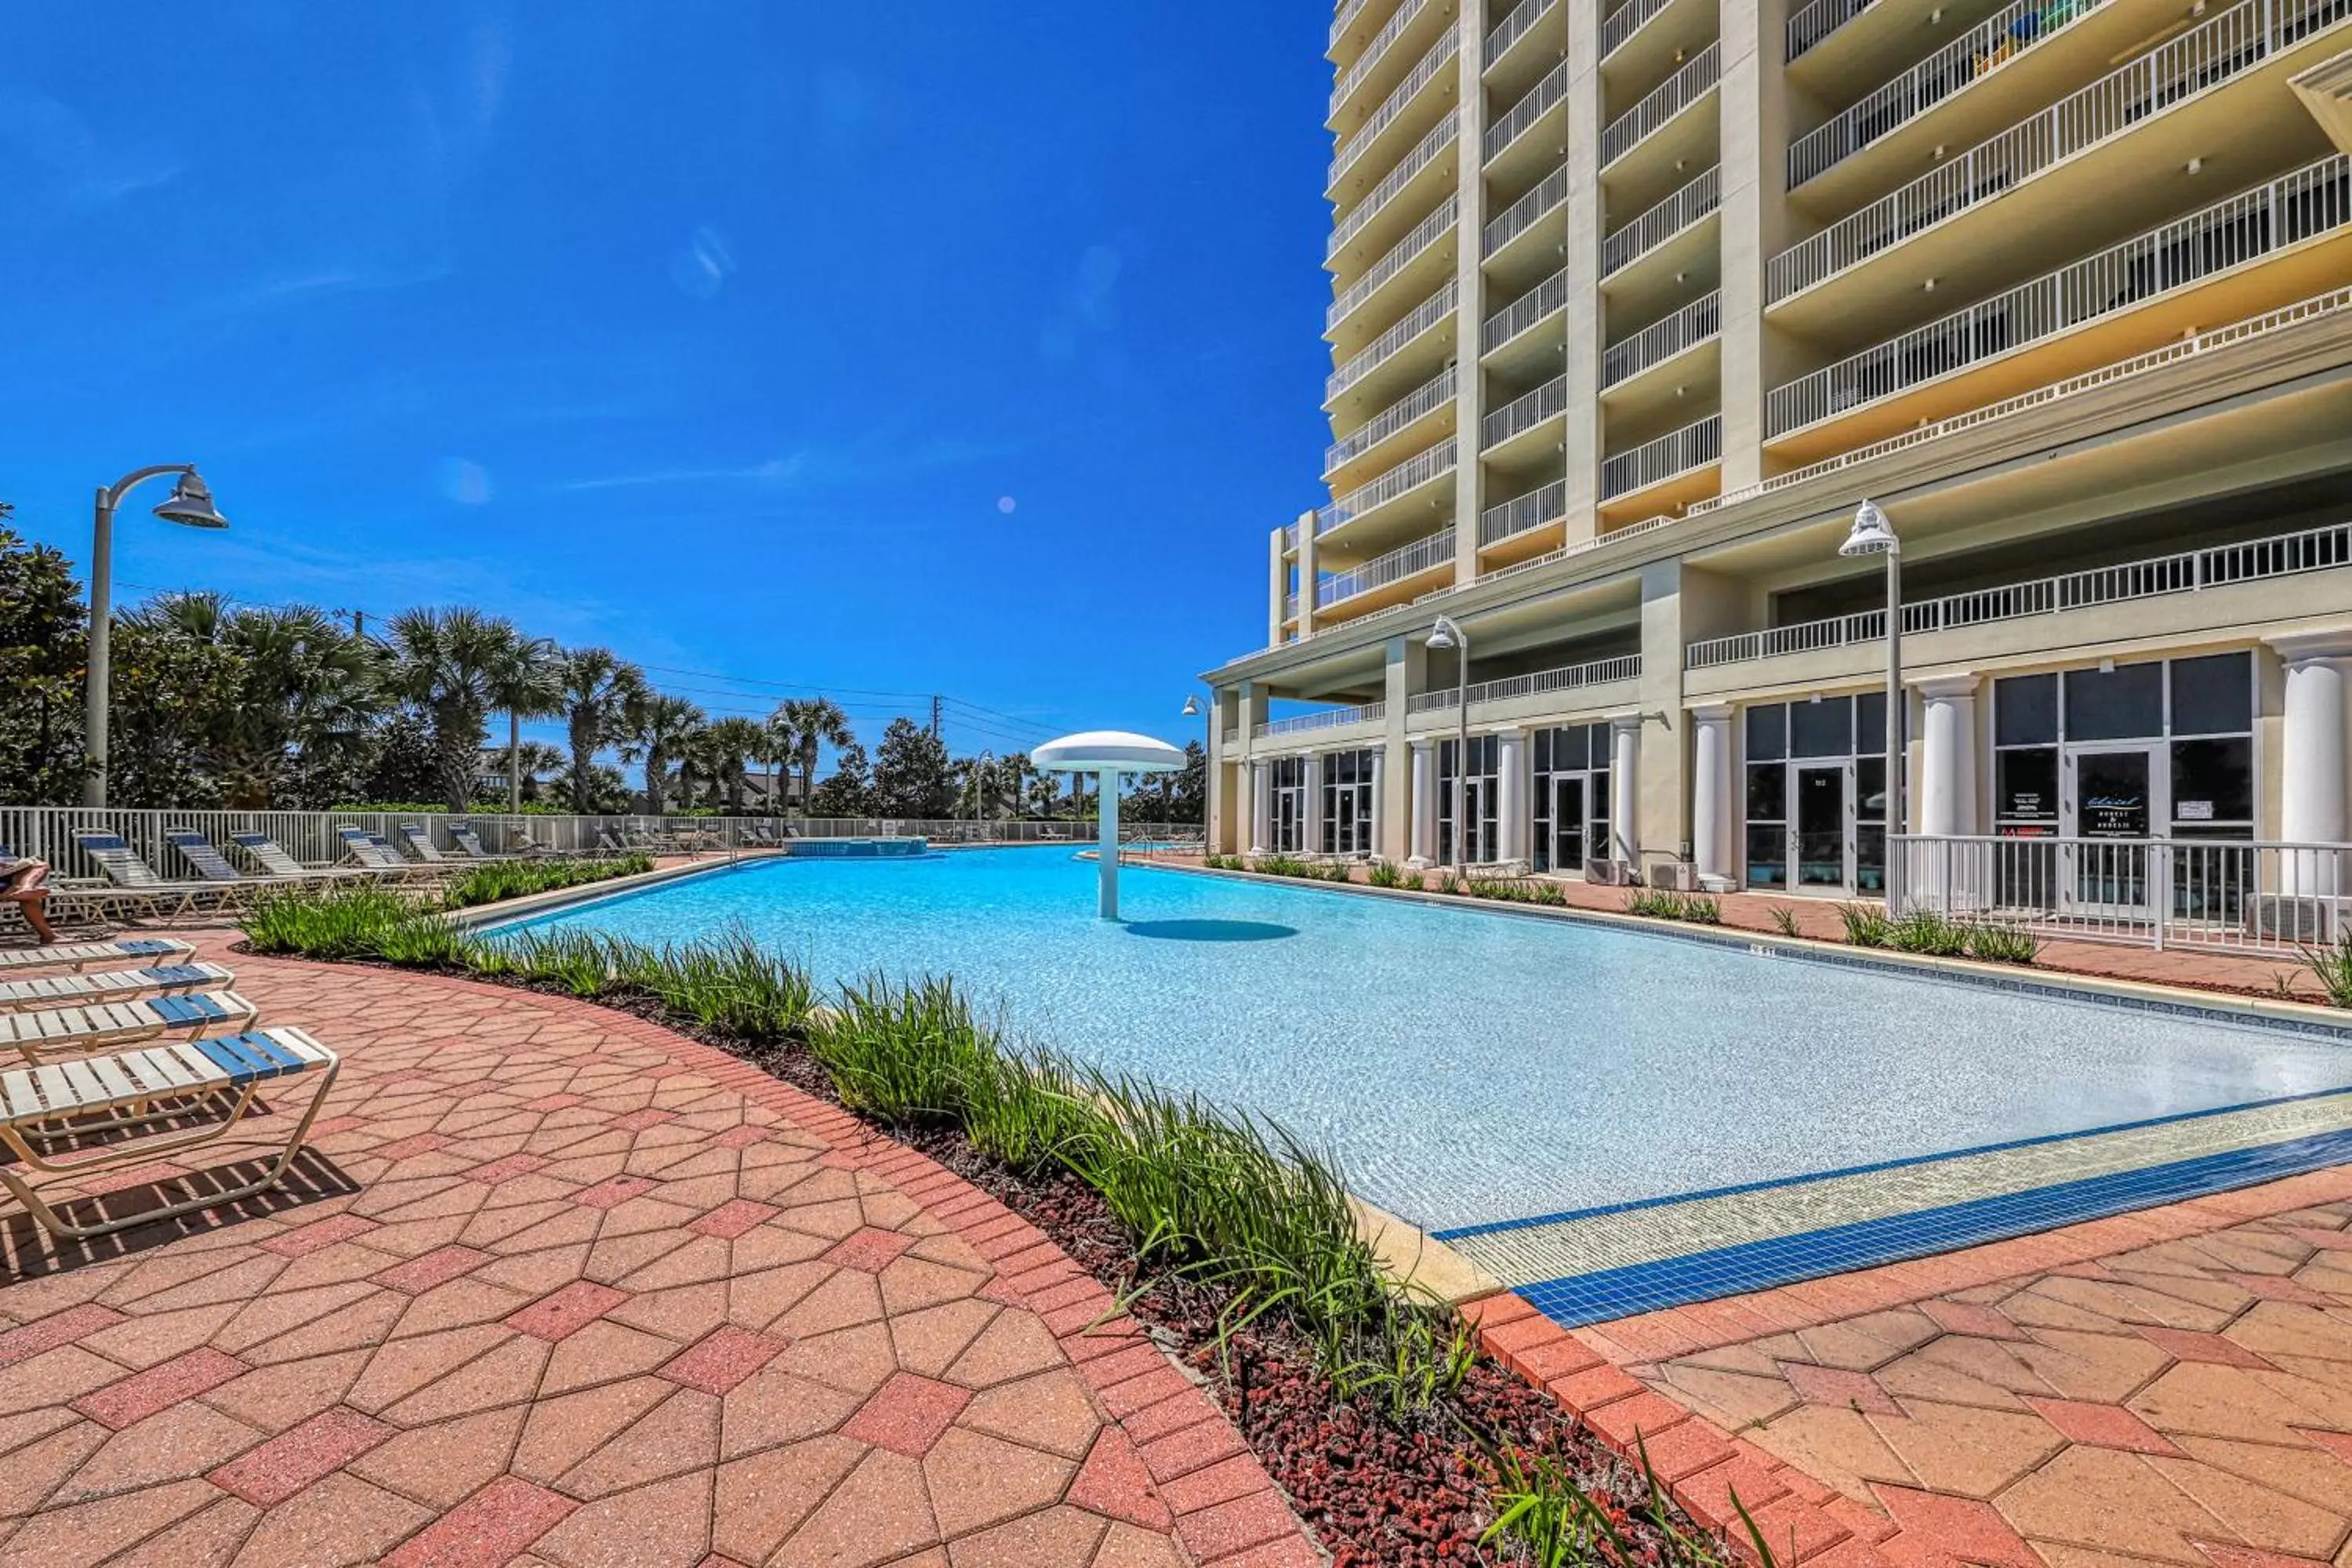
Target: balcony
[[1365, 219], [1573, 677], [1531, 23], [1534, 131], [1666, 103], [2190, 573], [1523, 525], [1659, 475], [1373, 363], [1678, 216], [1507, 328], [1426, 244], [1809, 23], [1524, 214], [1411, 28], [1501, 433], [1326, 719], [2275, 243], [2062, 170], [1663, 341], [1392, 579], [1426, 402], [1396, 489], [1392, 121]]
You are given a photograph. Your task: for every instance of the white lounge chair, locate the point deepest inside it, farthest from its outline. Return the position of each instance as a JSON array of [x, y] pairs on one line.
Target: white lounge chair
[[136, 882], [80, 955], [271, 856], [38, 1102], [470, 846], [57, 1031], [371, 852], [420, 844], [84, 987]]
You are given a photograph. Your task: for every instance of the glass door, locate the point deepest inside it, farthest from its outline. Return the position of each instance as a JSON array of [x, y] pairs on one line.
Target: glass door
[[1568, 837], [1346, 836], [2111, 811], [1479, 807], [1820, 826]]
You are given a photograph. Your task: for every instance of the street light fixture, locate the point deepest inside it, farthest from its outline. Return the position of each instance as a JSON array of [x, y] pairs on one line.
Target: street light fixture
[[1446, 635], [1872, 535], [1192, 710], [190, 506]]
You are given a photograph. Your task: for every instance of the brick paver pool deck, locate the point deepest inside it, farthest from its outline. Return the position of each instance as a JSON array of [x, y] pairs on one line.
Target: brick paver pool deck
[[560, 1287]]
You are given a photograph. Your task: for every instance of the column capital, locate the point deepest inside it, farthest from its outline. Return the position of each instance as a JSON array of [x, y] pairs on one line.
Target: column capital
[[1943, 687], [1712, 712], [1633, 720], [2306, 648], [1426, 743]]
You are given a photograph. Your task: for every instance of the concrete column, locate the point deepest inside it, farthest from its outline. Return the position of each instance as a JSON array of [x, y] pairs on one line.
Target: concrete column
[[1511, 795], [2312, 805], [1625, 788], [1311, 819], [1587, 325], [1261, 806], [1424, 803], [1948, 762], [1712, 794], [1379, 799], [1278, 571], [1406, 673], [1754, 115], [1306, 573], [1470, 181], [1224, 808]]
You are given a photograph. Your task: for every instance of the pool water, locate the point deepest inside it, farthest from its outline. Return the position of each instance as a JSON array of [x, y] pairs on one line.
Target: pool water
[[1468, 1066]]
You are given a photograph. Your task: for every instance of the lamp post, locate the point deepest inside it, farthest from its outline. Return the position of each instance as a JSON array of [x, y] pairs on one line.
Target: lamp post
[[1192, 710], [1872, 535], [1446, 635], [190, 506]]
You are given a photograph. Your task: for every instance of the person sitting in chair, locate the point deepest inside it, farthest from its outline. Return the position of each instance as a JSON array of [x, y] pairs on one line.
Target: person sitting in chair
[[21, 884]]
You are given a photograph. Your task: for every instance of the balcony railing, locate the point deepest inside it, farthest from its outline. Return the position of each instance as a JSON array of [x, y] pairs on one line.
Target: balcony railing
[[1521, 514], [1569, 677], [1660, 223], [1517, 219], [1624, 22], [1410, 475], [1669, 98], [2253, 224], [1662, 340], [1547, 298], [1349, 11], [1427, 399], [1424, 316], [1369, 61], [1676, 452], [1426, 233], [1440, 54], [1327, 719], [1981, 50], [1549, 401], [1810, 24], [2224, 48], [1420, 556], [1514, 28], [1424, 151], [2190, 572], [1537, 102]]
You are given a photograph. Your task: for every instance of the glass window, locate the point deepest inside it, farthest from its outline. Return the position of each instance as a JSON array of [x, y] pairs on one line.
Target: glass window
[[1869, 724], [2025, 710], [1768, 850], [2214, 695], [2213, 781], [2025, 784], [1768, 792], [1768, 732], [1570, 748], [1543, 750], [2122, 704], [1822, 728], [1870, 789]]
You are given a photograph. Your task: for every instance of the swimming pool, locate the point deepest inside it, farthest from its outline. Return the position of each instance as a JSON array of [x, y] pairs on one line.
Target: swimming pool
[[1470, 1067]]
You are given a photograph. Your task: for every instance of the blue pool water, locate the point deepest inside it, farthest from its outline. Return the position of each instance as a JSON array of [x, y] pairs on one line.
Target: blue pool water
[[1468, 1066]]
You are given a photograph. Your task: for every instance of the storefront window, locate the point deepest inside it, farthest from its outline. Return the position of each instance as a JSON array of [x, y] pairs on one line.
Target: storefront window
[[1347, 803], [1481, 797], [1571, 804], [1816, 793], [1289, 804]]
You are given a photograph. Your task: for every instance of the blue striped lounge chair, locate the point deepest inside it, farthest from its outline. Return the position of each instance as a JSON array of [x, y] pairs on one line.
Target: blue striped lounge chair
[[120, 1091], [38, 1032], [81, 988], [420, 844], [136, 882], [79, 955], [469, 843], [370, 850]]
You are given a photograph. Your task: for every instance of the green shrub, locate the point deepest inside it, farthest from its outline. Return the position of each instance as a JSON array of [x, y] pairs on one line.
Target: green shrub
[[1667, 904], [1924, 931], [1385, 874], [1410, 881], [1555, 1523], [2002, 945], [1865, 925], [1449, 882], [1280, 866], [498, 880], [325, 923], [1784, 919], [2332, 967]]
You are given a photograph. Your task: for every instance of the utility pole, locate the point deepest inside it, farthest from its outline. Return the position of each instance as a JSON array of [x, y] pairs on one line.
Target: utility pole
[[935, 717], [359, 626]]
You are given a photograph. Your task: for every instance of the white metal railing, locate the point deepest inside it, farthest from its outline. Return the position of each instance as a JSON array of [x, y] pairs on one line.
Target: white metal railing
[[2249, 895], [1978, 52], [1676, 452], [1524, 413], [1232, 737], [1514, 219], [2295, 207], [1810, 24], [1369, 61], [2320, 307], [1536, 508], [1537, 101], [1401, 254], [1422, 401], [1424, 151], [1406, 477], [1569, 677], [1678, 212], [1437, 308], [1440, 54], [1547, 298], [1327, 719], [1420, 556], [1662, 339], [1694, 81], [1514, 28], [2188, 572], [2172, 74], [1625, 21]]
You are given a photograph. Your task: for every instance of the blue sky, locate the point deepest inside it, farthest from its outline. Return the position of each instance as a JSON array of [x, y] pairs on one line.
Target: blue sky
[[876, 350]]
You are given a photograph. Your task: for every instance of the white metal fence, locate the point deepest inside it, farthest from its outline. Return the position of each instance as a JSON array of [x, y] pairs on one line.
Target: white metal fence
[[1686, 206], [1405, 91], [1652, 462], [1694, 80], [1524, 413], [1662, 339], [2254, 896], [1401, 255], [1522, 214], [1420, 556], [1568, 677], [1624, 22], [1437, 308], [1326, 719], [1424, 151], [1546, 300], [1422, 401], [1514, 28], [1405, 477], [1537, 102], [1520, 513], [1813, 23], [1369, 60]]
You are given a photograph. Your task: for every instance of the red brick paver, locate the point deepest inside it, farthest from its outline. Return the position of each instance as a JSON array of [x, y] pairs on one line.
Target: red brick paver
[[560, 1287]]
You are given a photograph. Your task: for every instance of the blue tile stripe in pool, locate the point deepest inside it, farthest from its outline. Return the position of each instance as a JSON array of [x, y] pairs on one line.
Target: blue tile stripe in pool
[[1594, 1297]]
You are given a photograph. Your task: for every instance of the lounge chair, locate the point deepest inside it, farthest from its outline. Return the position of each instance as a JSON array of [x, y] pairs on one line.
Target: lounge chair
[[524, 847], [469, 843], [85, 986], [212, 866], [610, 845], [80, 955], [420, 844], [371, 853], [123, 1088], [275, 862], [136, 881], [44, 1032]]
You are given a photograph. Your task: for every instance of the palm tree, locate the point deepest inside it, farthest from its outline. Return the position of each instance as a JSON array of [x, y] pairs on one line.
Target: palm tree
[[729, 747], [659, 729], [807, 724], [533, 761], [447, 663], [598, 688], [529, 684]]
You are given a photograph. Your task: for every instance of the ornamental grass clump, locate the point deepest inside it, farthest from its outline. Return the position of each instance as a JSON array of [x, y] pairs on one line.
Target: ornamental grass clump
[[327, 923], [502, 879], [1667, 904], [2332, 967], [1548, 1514]]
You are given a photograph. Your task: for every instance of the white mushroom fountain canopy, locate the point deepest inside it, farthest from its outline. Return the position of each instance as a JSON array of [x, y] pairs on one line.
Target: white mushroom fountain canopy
[[1106, 754]]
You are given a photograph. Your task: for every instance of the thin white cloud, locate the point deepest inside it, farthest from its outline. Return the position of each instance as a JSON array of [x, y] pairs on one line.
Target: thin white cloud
[[775, 470]]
